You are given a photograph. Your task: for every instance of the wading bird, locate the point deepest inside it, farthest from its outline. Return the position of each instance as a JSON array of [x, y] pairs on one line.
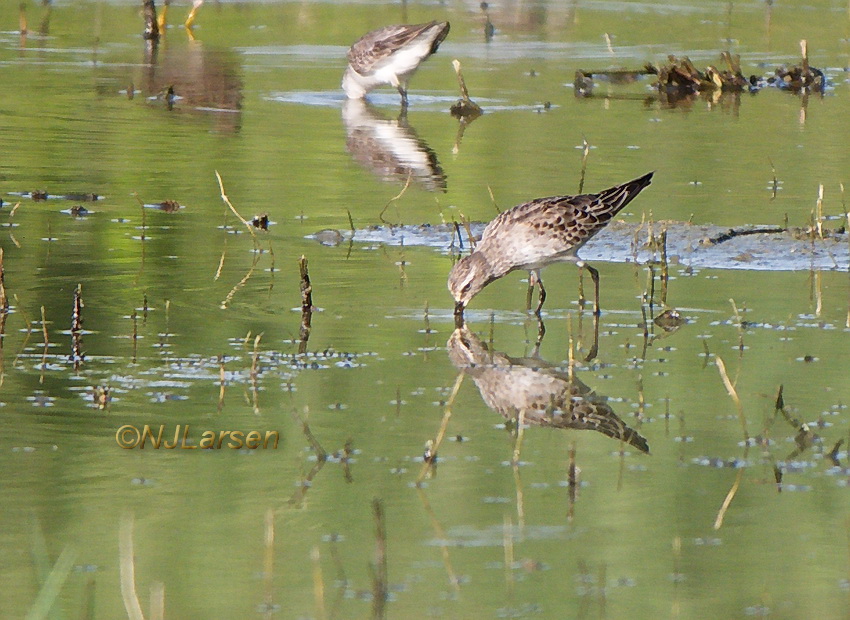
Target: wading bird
[[390, 55], [538, 233]]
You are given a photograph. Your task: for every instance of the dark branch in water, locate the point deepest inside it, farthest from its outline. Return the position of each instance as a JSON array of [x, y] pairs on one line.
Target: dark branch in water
[[306, 305], [732, 233], [151, 32]]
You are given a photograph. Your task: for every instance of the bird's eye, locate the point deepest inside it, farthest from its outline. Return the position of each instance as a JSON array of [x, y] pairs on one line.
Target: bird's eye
[[466, 287]]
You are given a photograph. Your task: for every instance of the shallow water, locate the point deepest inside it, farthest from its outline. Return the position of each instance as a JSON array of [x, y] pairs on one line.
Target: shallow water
[[189, 320]]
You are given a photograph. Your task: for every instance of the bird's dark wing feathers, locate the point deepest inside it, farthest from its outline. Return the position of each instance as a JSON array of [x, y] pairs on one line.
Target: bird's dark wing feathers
[[375, 46]]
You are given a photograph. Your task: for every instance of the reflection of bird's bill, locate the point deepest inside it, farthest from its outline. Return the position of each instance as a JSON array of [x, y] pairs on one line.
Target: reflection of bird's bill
[[548, 395], [390, 149]]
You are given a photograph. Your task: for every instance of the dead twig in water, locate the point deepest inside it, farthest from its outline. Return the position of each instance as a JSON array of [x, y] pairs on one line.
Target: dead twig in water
[[465, 109], [232, 208], [447, 414], [306, 305], [126, 561], [395, 198], [585, 152], [730, 389], [380, 585]]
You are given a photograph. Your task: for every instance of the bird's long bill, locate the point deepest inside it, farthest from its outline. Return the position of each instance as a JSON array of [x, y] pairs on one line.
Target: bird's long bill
[[459, 320]]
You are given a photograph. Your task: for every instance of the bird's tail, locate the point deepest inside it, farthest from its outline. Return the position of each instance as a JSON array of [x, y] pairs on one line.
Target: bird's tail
[[615, 198]]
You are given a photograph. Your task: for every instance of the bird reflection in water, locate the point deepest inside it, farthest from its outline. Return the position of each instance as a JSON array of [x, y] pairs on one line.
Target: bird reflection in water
[[390, 149], [201, 79], [543, 393]]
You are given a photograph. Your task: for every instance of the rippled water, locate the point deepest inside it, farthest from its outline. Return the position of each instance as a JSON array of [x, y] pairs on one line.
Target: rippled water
[[191, 323]]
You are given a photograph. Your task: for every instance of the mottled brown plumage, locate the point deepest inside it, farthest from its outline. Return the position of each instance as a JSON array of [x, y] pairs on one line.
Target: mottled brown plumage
[[538, 233], [390, 55], [548, 395]]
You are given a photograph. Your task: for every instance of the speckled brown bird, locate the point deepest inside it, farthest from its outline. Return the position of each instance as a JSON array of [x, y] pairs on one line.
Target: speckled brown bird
[[545, 394], [390, 55], [538, 233]]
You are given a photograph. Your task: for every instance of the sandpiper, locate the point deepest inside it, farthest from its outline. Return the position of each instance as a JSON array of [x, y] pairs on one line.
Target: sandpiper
[[390, 55], [537, 233]]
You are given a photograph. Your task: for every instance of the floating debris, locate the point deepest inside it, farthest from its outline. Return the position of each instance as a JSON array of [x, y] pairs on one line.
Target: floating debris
[[78, 211], [679, 78], [77, 356], [261, 221], [169, 206], [669, 320], [38, 195]]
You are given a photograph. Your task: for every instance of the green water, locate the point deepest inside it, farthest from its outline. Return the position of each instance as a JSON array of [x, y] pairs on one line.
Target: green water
[[480, 538]]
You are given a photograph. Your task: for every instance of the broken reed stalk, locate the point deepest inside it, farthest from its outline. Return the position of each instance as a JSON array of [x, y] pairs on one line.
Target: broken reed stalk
[[232, 208], [268, 556], [379, 569], [135, 336], [151, 32], [126, 561], [733, 394], [585, 152], [221, 382], [77, 328], [442, 537], [730, 389], [255, 394], [447, 414], [520, 432], [819, 206], [306, 305], [465, 221], [493, 199], [464, 92], [4, 301], [157, 602], [572, 482], [52, 586], [397, 196], [44, 329], [318, 583], [508, 546], [740, 327], [664, 268]]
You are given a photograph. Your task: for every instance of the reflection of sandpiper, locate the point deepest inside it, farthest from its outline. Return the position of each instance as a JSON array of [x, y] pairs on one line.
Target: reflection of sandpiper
[[535, 234], [390, 148], [547, 395], [390, 55]]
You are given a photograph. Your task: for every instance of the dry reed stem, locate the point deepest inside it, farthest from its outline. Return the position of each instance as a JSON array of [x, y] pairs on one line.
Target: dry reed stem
[[232, 208], [318, 583], [520, 433], [380, 584], [447, 414], [52, 586], [157, 603], [128, 568], [465, 221], [268, 555], [4, 301], [493, 199], [819, 206], [464, 92], [584, 155], [44, 328], [508, 546], [721, 514], [730, 389], [397, 196], [440, 536]]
